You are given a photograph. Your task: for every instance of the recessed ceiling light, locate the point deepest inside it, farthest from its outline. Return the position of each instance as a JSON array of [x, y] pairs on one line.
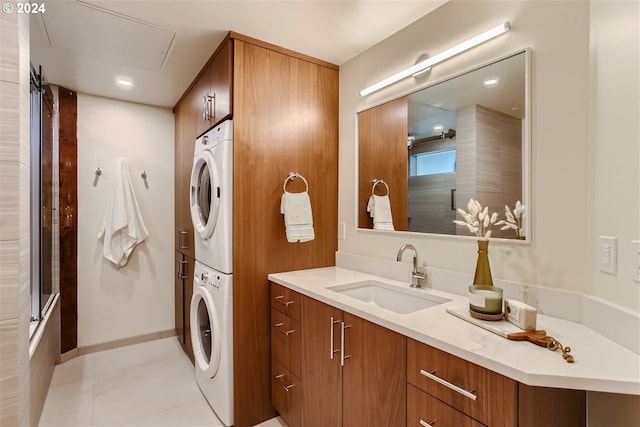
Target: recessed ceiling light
[[491, 81], [124, 82]]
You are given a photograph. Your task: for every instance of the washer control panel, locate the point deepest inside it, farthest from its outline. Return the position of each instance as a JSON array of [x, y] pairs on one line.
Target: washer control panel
[[212, 280]]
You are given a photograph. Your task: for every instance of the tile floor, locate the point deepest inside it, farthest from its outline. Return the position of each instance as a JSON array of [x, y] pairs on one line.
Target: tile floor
[[149, 384]]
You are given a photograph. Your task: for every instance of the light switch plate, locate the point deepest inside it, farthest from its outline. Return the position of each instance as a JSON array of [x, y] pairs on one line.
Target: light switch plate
[[635, 260], [608, 255]]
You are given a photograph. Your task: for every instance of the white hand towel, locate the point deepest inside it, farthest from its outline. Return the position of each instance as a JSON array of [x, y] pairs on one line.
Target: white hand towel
[[298, 219], [379, 208], [122, 227]]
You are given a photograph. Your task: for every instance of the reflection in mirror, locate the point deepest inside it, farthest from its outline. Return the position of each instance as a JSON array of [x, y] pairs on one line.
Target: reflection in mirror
[[459, 139]]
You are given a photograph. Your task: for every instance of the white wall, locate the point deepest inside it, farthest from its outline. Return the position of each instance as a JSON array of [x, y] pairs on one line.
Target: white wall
[[615, 141], [136, 299], [562, 253]]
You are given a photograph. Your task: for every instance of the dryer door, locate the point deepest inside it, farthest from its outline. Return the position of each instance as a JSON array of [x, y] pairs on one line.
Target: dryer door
[[205, 332], [204, 196]]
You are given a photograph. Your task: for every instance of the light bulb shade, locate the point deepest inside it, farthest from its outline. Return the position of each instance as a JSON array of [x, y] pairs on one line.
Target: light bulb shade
[[420, 66]]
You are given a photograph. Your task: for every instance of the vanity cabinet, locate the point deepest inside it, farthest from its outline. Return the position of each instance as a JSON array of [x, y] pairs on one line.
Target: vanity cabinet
[[475, 391], [457, 393], [286, 390], [353, 372]]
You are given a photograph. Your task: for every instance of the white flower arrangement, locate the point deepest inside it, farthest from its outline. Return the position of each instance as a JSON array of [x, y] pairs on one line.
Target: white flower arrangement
[[477, 220], [515, 219]]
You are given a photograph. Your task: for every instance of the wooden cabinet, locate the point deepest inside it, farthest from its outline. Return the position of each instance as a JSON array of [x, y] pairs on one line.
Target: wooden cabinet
[[183, 291], [212, 100], [475, 391], [459, 393], [185, 139], [285, 353], [353, 371], [285, 111]]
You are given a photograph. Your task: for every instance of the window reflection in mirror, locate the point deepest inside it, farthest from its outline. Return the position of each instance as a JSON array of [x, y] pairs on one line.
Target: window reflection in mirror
[[462, 138]]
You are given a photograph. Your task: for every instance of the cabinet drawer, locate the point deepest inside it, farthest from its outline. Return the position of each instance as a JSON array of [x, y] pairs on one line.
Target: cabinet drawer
[[478, 392], [285, 393], [285, 341], [285, 301], [424, 411]]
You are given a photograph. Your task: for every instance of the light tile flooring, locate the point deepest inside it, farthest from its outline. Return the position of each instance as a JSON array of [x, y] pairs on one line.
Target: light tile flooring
[[149, 384]]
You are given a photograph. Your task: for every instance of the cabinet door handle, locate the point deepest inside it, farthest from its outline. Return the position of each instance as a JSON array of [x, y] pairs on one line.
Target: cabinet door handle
[[283, 385], [332, 350], [280, 299], [453, 387], [426, 424], [181, 233], [278, 326], [212, 111], [342, 355], [181, 274], [205, 108]]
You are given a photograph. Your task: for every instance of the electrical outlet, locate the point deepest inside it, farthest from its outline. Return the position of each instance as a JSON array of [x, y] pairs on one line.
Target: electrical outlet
[[635, 260], [608, 255]]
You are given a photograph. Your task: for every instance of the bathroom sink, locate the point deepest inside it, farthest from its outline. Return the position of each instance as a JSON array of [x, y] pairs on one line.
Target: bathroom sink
[[390, 297]]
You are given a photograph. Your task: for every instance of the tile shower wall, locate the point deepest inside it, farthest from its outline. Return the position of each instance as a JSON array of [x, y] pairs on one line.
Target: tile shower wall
[[14, 220]]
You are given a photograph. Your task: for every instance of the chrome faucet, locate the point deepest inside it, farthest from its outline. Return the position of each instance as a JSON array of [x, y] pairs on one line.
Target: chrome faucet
[[415, 274]]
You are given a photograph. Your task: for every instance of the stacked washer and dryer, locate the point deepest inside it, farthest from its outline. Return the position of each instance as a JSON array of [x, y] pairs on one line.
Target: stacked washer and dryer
[[211, 312]]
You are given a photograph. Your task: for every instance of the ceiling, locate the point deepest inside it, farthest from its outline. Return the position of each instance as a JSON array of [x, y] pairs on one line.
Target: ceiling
[[161, 45]]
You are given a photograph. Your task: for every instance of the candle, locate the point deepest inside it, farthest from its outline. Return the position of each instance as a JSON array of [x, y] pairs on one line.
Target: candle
[[485, 299]]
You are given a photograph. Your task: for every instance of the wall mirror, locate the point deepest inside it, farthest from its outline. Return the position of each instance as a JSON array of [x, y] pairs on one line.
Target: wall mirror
[[434, 149]]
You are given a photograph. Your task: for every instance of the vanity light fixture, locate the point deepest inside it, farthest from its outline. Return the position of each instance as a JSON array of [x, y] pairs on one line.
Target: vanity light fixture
[[421, 66]]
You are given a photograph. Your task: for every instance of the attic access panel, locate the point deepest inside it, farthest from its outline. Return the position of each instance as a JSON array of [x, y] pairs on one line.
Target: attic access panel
[[104, 34]]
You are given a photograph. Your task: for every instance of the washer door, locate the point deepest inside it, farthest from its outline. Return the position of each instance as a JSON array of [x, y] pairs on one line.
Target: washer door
[[204, 197], [205, 332]]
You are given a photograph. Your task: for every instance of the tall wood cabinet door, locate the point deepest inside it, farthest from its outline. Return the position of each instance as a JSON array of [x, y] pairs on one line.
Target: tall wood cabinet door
[[382, 154], [374, 380], [201, 101], [188, 265], [179, 298], [220, 72], [184, 145], [321, 368]]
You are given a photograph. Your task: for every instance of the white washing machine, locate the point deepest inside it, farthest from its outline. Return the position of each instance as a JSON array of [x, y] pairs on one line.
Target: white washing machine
[[211, 317], [211, 197]]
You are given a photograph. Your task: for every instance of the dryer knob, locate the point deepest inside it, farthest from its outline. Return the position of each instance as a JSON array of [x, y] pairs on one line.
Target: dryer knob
[[204, 276], [205, 140]]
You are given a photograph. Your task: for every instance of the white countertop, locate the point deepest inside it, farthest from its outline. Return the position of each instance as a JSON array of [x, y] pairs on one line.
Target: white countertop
[[600, 364]]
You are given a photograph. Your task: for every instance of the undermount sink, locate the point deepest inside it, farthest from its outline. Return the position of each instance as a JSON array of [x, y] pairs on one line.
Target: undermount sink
[[390, 297]]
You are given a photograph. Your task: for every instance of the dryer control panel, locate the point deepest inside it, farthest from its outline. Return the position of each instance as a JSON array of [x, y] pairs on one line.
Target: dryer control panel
[[211, 280]]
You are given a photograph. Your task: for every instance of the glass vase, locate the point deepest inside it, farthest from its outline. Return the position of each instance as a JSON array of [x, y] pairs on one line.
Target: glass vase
[[483, 269]]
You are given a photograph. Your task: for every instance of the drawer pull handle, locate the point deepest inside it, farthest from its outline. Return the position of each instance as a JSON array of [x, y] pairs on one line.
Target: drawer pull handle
[[286, 333], [283, 385], [449, 385], [332, 351], [280, 299], [426, 424]]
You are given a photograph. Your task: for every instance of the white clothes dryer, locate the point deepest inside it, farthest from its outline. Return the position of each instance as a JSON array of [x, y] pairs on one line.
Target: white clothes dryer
[[211, 197], [211, 320]]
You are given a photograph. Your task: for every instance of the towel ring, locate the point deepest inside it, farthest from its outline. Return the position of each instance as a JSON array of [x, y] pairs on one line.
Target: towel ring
[[293, 176], [376, 182]]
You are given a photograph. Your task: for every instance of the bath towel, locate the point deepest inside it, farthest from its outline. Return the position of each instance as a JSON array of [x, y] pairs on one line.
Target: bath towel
[[379, 208], [298, 219], [122, 227]]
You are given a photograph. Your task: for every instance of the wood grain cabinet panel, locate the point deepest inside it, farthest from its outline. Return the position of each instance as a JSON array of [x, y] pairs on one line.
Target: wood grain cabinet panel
[[423, 410], [286, 392], [321, 367], [482, 394], [374, 375], [285, 341], [286, 301]]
